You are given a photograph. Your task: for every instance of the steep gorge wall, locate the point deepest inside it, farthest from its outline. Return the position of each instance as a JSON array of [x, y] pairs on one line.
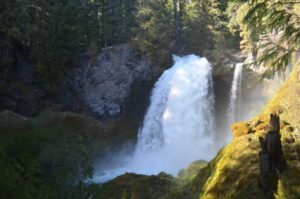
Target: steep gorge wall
[[106, 84]]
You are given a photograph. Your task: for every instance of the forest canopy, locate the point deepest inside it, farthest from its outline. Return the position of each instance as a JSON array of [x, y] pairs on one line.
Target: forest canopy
[[270, 30], [55, 34]]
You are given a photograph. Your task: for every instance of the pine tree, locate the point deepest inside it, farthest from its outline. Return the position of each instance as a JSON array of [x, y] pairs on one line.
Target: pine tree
[[56, 39], [278, 26], [56, 32], [155, 29], [202, 25]]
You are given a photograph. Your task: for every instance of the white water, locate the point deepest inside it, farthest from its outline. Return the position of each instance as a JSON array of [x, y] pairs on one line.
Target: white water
[[235, 94], [178, 126]]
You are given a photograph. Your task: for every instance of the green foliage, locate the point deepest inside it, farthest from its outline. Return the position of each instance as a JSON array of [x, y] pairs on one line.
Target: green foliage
[[56, 33], [201, 23], [200, 26], [154, 32], [55, 39], [44, 162], [270, 30], [120, 21], [50, 30], [13, 18]]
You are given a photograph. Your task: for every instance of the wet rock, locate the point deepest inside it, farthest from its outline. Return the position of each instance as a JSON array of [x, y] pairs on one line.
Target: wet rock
[[113, 109], [105, 85]]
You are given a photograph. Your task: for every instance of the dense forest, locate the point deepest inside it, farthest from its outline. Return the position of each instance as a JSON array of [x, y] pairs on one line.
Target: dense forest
[[54, 35], [51, 159]]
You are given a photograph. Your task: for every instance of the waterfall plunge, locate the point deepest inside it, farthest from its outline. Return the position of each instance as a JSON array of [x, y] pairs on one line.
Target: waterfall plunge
[[235, 94], [178, 126]]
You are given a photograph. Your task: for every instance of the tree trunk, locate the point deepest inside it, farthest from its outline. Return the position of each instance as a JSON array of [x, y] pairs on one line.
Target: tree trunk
[[176, 5], [271, 158]]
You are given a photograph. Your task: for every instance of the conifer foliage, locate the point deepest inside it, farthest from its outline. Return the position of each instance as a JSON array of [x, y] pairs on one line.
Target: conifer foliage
[[269, 29], [55, 33]]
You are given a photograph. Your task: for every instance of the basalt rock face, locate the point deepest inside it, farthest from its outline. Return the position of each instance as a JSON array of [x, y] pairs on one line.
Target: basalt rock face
[[105, 84]]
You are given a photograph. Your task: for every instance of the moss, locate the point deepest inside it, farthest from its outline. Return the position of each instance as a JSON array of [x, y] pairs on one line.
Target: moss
[[281, 194], [240, 128], [287, 101], [263, 127], [133, 186], [234, 171], [189, 173]]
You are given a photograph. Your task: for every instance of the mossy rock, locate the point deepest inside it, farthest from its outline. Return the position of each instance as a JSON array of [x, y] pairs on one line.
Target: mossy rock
[[264, 118], [277, 109], [134, 186], [233, 173], [262, 127], [192, 170], [240, 128]]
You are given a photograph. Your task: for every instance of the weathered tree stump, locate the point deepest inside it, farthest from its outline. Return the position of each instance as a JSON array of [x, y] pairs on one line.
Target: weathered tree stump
[[271, 157]]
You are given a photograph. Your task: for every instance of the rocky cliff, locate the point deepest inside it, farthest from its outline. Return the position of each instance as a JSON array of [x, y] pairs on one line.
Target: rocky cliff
[[106, 84], [103, 86]]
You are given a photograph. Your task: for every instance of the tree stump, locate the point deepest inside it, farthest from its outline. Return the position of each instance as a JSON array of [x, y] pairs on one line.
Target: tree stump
[[271, 158]]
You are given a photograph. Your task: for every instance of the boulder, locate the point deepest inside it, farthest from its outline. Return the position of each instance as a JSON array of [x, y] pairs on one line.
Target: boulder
[[130, 185]]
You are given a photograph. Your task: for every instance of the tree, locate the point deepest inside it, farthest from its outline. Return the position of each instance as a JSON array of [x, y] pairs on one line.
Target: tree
[[56, 32], [47, 162], [278, 25], [117, 21], [155, 30], [56, 39], [177, 7], [202, 25]]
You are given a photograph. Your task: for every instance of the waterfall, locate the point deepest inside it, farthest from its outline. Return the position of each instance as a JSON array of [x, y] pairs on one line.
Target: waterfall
[[178, 126], [235, 94]]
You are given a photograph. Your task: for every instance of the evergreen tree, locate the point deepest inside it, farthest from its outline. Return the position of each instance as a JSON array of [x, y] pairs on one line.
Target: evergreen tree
[[201, 25], [56, 32], [154, 33], [56, 39], [270, 29]]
